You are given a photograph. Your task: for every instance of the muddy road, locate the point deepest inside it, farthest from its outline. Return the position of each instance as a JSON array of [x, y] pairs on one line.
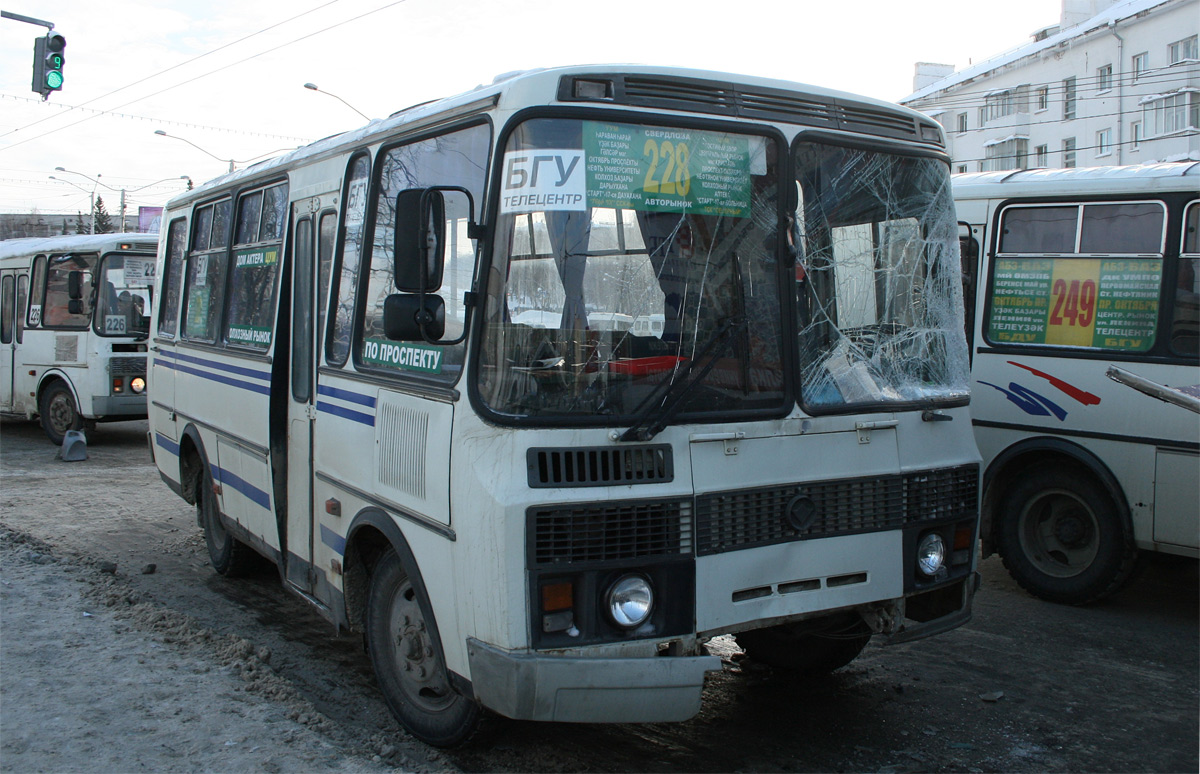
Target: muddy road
[[1025, 686]]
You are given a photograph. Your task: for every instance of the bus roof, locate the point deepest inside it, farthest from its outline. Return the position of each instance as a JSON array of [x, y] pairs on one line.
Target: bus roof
[[1136, 178], [71, 242], [530, 87]]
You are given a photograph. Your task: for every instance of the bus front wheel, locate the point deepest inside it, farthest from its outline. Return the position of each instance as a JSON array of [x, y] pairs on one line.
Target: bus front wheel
[[59, 412], [1062, 538], [229, 556], [812, 647], [408, 661]]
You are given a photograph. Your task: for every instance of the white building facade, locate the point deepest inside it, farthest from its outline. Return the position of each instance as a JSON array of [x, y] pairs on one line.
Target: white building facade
[[1113, 83]]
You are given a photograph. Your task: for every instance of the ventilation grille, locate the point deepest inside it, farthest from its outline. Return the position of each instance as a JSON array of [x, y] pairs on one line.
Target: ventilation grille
[[600, 466], [127, 366], [612, 531], [732, 521], [720, 98], [403, 434]]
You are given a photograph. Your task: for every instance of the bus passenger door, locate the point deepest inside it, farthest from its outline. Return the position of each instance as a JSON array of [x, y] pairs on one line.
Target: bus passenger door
[[298, 552], [8, 335]]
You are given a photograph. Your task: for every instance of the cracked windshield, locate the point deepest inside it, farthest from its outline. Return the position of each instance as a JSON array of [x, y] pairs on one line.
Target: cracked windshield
[[636, 272], [879, 288]]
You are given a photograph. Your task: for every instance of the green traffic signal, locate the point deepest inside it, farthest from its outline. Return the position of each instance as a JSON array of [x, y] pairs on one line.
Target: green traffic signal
[[48, 62]]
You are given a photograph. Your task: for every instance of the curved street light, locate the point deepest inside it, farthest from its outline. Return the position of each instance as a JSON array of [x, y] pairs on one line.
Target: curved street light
[[313, 87], [91, 194], [232, 162]]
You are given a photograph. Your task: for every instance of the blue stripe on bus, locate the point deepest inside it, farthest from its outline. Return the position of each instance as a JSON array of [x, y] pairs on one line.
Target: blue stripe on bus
[[262, 389], [333, 540], [338, 411], [347, 395], [166, 443], [246, 488], [239, 370]]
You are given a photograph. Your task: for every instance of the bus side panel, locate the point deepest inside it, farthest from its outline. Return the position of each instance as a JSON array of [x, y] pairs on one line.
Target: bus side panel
[[1175, 521]]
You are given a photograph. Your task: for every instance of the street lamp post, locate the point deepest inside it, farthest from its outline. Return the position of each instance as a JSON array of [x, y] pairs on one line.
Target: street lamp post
[[313, 87], [161, 133], [92, 194]]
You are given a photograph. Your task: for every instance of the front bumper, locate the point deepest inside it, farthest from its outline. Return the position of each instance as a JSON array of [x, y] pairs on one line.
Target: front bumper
[[123, 406], [569, 689]]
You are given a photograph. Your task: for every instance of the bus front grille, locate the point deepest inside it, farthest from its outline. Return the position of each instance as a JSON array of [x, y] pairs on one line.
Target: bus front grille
[[617, 530], [599, 466], [737, 520], [127, 366]]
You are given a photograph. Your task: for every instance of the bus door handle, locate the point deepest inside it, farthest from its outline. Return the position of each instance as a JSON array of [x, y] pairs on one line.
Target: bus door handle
[[729, 440], [864, 428]]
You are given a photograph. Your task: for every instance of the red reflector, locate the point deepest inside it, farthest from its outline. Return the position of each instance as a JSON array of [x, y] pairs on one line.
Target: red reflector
[[962, 538], [558, 596]]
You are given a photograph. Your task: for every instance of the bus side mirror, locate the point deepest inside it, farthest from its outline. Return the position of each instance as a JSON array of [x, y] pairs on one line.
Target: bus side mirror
[[75, 286], [411, 317], [420, 240]]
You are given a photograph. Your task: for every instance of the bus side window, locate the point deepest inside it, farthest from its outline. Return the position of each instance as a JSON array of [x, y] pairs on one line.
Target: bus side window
[[22, 294], [7, 309], [326, 241], [1185, 325], [354, 214], [204, 297], [172, 277], [64, 308], [38, 292], [255, 267]]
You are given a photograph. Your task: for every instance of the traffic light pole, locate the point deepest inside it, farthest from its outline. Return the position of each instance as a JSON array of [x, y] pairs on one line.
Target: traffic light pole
[[48, 57], [26, 19]]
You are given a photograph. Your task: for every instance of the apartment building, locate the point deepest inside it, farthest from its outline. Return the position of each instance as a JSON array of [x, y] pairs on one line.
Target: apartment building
[[1112, 83]]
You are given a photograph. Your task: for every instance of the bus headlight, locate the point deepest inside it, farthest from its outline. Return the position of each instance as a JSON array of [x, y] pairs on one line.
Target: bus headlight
[[931, 554], [138, 385], [630, 600]]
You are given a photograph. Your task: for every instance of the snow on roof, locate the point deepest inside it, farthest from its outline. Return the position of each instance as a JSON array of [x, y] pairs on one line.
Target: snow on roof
[[1110, 15], [74, 243], [1128, 178]]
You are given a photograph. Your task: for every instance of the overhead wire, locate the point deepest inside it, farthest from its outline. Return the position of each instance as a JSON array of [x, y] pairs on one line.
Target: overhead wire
[[213, 72]]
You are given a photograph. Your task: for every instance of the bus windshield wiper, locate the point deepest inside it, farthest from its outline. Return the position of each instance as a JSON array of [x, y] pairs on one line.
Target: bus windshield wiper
[[655, 412]]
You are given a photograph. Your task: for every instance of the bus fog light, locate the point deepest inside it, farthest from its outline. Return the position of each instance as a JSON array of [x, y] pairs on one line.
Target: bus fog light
[[138, 385], [630, 600], [931, 554]]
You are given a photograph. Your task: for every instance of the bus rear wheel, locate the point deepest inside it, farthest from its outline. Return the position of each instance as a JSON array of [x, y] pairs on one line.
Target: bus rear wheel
[[408, 661], [1062, 538], [229, 556], [58, 412], [813, 647]]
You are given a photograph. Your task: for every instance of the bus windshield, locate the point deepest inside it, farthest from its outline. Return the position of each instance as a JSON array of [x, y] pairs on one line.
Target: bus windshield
[[123, 307], [878, 282], [635, 268]]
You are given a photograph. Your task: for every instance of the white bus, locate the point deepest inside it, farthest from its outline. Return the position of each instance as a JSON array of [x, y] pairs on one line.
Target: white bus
[[402, 364], [74, 319], [1084, 274]]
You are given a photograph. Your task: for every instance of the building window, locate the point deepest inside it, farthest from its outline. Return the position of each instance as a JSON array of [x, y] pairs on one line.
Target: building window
[[1007, 154], [1135, 135], [1069, 152], [1042, 153], [1043, 98], [1069, 98], [1104, 142], [962, 123], [962, 169], [1171, 113], [1183, 50], [997, 105], [1141, 63], [1104, 78]]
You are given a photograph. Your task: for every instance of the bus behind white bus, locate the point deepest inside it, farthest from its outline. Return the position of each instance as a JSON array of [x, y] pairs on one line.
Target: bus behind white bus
[[74, 319], [544, 386], [1085, 368]]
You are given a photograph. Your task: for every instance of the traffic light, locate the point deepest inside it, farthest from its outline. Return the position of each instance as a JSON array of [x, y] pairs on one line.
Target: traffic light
[[48, 63]]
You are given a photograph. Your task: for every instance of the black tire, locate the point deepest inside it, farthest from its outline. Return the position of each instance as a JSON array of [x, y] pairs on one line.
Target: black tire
[[1062, 537], [58, 412], [229, 556], [408, 661], [815, 647]]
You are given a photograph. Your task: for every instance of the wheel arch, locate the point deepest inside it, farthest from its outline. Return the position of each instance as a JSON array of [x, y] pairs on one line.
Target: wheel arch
[[51, 377], [192, 461], [1036, 452]]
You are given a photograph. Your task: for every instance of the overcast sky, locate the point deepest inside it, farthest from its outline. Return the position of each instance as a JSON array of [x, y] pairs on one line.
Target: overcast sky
[[228, 75]]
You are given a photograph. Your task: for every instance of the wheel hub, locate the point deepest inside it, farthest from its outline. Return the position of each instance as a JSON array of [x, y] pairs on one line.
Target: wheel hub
[[1070, 531]]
